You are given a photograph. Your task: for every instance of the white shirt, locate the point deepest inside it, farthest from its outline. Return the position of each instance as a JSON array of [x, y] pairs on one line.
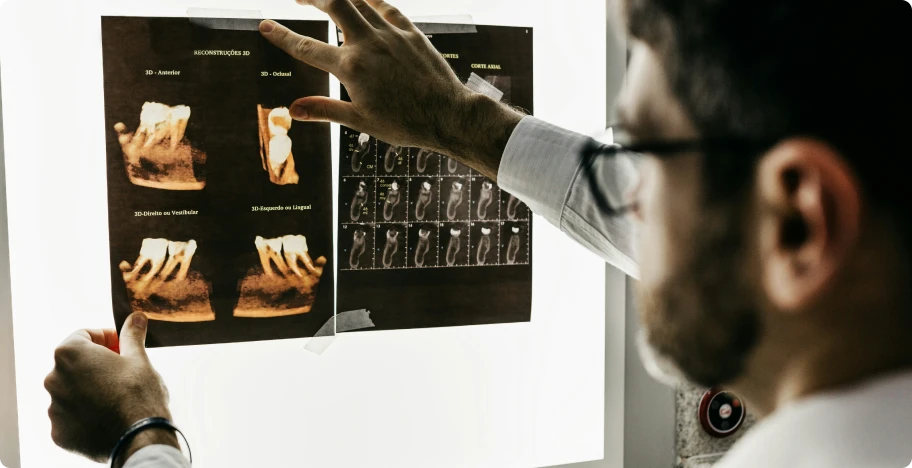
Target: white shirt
[[866, 426]]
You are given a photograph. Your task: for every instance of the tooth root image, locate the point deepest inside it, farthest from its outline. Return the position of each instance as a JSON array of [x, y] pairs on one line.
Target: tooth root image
[[358, 201], [425, 196], [391, 157], [285, 283], [456, 196], [169, 291], [158, 155], [484, 200], [392, 201], [484, 246], [452, 165], [424, 244], [357, 159], [513, 246], [276, 146], [421, 160], [357, 250], [391, 247], [512, 208], [454, 246]]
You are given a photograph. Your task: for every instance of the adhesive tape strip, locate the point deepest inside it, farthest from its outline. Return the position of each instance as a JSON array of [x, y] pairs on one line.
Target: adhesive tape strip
[[455, 24], [232, 20], [342, 322], [479, 85]]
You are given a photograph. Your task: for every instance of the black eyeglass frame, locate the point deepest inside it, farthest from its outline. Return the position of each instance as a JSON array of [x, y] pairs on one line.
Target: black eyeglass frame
[[662, 150]]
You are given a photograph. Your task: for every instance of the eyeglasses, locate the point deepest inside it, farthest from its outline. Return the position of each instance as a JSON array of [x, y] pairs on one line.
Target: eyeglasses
[[613, 170]]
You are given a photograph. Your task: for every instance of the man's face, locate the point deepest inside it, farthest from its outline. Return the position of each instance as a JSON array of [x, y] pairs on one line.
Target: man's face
[[697, 301]]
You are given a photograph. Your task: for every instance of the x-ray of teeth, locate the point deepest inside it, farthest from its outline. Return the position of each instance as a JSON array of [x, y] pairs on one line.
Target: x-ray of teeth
[[359, 239], [357, 158], [425, 197], [168, 291], [421, 161], [516, 209], [285, 283], [358, 201], [452, 165], [391, 248], [484, 199], [484, 247], [454, 246], [455, 199], [158, 155], [393, 197], [276, 146], [392, 157], [514, 245], [424, 245]]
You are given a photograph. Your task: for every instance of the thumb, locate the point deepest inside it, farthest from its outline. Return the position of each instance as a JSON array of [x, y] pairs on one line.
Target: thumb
[[324, 109], [133, 336]]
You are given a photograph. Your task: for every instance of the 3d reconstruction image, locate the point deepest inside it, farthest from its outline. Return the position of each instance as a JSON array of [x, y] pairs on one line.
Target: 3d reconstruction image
[[285, 282], [158, 154], [161, 284], [275, 145]]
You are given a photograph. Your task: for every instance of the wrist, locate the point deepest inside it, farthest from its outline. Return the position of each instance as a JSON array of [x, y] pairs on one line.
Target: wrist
[[479, 131], [151, 436]]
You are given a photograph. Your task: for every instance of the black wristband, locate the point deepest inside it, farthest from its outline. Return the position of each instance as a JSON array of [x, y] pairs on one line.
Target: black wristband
[[141, 425]]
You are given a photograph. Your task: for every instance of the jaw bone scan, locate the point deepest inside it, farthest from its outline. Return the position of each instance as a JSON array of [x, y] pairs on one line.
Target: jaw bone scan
[[424, 244], [158, 155], [391, 247], [286, 282], [422, 159], [391, 157], [393, 196], [168, 290], [513, 246], [358, 201], [357, 250], [357, 159], [512, 208], [275, 145], [456, 196], [484, 200], [454, 246], [484, 246], [425, 196]]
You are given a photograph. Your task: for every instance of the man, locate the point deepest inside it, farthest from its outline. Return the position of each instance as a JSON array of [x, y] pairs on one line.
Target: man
[[775, 251]]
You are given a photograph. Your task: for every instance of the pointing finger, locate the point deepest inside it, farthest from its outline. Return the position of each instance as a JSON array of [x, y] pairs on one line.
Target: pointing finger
[[306, 49]]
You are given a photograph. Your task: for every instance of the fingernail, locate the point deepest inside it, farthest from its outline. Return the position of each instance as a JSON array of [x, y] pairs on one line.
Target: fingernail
[[298, 112], [139, 320], [267, 26]]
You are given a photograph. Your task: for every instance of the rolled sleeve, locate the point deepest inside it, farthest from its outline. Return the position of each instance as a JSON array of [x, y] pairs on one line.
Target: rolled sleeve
[[157, 456], [541, 166]]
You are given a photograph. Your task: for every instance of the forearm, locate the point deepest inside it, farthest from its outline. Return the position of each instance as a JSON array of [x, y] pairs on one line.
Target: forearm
[[478, 133]]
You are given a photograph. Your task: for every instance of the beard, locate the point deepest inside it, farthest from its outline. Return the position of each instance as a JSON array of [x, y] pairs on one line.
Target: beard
[[701, 324]]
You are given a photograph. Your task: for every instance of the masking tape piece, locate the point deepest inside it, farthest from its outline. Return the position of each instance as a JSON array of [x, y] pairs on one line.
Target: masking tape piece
[[479, 85], [342, 322], [232, 20], [450, 24]]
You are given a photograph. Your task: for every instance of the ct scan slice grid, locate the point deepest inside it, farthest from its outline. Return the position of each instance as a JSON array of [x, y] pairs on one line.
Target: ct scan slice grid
[[431, 192], [424, 240]]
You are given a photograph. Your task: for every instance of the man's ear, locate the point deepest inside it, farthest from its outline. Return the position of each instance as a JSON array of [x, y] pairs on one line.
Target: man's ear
[[810, 203]]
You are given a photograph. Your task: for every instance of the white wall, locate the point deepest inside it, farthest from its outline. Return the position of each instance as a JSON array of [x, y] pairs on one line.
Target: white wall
[[509, 395]]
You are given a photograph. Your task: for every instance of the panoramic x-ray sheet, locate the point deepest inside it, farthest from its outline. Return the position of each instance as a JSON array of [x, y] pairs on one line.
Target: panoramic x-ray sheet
[[220, 206], [425, 241]]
